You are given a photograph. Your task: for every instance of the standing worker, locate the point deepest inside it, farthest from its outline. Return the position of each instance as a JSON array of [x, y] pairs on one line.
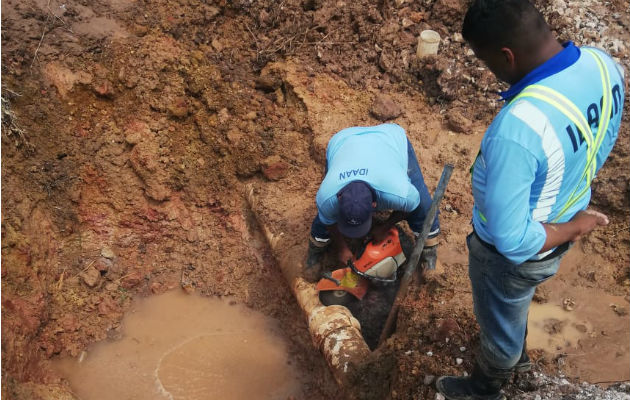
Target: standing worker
[[531, 179], [368, 169]]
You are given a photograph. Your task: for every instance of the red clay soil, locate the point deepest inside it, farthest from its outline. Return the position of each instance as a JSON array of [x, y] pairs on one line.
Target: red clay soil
[[130, 129]]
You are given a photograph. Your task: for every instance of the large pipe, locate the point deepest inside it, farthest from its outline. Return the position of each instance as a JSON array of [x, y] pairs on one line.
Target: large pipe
[[335, 332]]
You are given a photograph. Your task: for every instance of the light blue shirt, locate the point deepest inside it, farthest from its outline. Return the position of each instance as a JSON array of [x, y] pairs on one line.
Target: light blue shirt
[[532, 158], [376, 155]]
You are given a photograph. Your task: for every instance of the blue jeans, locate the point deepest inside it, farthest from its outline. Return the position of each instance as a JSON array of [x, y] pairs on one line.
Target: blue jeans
[[415, 219], [502, 292]]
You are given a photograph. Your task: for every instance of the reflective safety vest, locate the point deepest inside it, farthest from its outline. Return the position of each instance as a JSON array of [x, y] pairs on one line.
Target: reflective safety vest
[[571, 111]]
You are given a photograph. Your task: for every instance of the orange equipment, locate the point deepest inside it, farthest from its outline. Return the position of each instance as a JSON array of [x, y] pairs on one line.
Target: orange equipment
[[378, 262]]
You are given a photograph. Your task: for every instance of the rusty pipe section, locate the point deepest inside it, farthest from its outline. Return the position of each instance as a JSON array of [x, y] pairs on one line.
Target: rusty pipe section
[[335, 332]]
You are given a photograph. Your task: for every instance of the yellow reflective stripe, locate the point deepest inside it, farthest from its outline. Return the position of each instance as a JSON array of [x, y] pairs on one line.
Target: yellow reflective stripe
[[605, 112], [591, 165], [483, 217], [561, 103], [543, 93], [606, 103], [573, 113], [585, 128], [587, 134], [565, 105]]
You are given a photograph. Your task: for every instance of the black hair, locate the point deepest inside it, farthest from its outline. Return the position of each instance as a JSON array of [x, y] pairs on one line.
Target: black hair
[[504, 23]]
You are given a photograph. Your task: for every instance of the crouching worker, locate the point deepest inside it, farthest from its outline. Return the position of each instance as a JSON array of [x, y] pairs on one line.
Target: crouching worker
[[368, 169]]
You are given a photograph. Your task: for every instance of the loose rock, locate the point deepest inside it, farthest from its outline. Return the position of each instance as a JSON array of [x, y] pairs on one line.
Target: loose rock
[[155, 287], [619, 310], [107, 252], [274, 168], [103, 264], [407, 22], [568, 304], [457, 122], [131, 280], [103, 88], [268, 81], [447, 328], [91, 276], [179, 107], [384, 108]]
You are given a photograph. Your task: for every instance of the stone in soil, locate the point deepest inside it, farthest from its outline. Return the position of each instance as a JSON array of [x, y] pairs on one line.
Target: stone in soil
[[131, 280], [103, 264], [107, 252], [179, 107], [91, 276], [448, 327], [274, 168], [103, 88], [457, 122], [384, 108]]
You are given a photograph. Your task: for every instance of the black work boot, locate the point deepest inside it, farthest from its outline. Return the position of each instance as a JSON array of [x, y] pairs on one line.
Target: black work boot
[[478, 386], [313, 263], [524, 363]]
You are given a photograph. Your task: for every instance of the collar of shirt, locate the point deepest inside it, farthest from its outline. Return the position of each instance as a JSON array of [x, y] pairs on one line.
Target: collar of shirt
[[555, 64]]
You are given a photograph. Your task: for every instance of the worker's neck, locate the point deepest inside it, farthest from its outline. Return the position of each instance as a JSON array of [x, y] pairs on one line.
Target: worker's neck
[[546, 51]]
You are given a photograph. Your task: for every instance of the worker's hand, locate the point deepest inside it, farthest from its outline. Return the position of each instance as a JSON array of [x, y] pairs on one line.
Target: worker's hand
[[379, 232], [586, 221], [429, 257], [345, 254]]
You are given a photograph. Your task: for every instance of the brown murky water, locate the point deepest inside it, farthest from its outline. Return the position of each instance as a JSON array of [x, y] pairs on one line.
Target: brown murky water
[[551, 328], [592, 335], [177, 346]]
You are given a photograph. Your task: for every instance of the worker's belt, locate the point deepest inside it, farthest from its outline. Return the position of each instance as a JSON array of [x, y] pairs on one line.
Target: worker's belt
[[560, 250]]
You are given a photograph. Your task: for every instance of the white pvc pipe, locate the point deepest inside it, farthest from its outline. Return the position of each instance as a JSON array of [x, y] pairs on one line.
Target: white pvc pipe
[[428, 43]]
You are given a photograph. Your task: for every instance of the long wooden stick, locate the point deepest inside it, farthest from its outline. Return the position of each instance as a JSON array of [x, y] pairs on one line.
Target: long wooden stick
[[417, 252]]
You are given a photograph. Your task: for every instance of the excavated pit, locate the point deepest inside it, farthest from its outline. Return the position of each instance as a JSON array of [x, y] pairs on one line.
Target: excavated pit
[[149, 146]]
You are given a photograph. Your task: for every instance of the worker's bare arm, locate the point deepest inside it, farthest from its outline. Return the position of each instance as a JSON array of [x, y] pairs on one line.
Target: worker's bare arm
[[581, 224]]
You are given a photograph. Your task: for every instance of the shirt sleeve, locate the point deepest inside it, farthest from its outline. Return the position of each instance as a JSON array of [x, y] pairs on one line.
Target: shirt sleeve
[[511, 170], [412, 201], [327, 211], [388, 201]]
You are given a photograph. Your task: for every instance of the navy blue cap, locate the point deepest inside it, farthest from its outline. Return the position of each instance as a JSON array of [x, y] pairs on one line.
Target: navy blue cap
[[355, 209]]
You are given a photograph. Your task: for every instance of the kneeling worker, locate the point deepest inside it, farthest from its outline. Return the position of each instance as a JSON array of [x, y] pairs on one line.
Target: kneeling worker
[[368, 169]]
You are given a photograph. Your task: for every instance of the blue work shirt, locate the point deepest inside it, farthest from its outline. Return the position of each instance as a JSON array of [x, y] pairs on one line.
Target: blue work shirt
[[376, 155], [532, 156]]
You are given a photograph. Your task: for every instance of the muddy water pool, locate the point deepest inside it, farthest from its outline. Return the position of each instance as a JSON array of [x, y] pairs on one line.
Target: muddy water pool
[[552, 328], [582, 323], [179, 346]]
